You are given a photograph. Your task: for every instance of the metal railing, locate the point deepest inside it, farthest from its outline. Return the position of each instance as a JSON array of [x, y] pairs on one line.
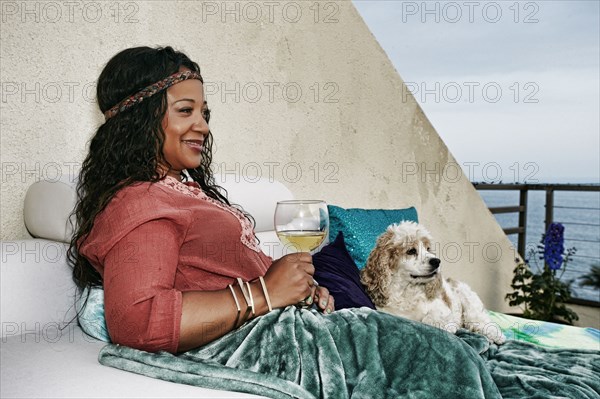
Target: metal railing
[[521, 209]]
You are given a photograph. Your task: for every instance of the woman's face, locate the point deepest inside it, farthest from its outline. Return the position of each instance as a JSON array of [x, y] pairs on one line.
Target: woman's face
[[185, 126]]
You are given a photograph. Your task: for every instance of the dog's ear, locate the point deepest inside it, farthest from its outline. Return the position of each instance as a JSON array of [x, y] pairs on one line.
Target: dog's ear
[[377, 274]]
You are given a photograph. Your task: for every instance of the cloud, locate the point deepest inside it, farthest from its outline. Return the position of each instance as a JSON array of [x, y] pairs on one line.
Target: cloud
[[506, 91]]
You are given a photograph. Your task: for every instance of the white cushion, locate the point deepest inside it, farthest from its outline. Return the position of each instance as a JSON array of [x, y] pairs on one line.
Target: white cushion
[[258, 197], [48, 204], [47, 207], [64, 364], [36, 285]]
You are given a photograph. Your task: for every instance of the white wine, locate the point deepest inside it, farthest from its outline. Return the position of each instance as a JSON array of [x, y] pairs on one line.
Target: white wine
[[302, 240]]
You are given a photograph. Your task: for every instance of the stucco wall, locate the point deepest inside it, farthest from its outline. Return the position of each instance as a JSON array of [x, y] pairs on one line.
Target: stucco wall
[[303, 94]]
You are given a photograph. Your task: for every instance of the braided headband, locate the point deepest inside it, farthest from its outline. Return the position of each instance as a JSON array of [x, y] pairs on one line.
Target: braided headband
[[150, 91]]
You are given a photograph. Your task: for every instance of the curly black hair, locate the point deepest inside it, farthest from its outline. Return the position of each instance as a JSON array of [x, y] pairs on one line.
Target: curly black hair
[[127, 148]]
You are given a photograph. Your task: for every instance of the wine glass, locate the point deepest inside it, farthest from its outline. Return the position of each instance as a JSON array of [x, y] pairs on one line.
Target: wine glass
[[301, 224]]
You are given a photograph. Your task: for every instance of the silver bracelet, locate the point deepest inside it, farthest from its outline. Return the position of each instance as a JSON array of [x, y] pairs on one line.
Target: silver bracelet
[[265, 292], [249, 300]]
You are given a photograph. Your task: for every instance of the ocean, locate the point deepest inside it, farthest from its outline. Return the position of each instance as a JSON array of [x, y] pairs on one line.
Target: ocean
[[585, 237]]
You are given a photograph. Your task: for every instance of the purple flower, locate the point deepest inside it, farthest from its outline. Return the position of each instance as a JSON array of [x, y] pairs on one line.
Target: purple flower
[[554, 246]]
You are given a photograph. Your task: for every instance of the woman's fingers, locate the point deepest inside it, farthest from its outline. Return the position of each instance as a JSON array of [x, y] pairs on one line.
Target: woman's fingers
[[290, 279], [330, 305], [324, 301], [312, 296], [303, 261], [301, 257]]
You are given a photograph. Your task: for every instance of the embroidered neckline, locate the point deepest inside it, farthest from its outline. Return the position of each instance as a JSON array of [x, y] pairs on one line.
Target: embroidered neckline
[[192, 189]]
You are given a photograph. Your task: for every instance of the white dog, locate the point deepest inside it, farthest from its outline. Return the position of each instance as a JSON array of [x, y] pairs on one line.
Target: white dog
[[402, 277]]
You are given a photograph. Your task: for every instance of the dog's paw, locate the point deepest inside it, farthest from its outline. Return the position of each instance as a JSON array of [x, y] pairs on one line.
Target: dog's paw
[[497, 339], [452, 328]]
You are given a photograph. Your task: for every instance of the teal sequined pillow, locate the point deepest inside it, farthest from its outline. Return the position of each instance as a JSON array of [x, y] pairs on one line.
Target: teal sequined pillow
[[361, 227], [91, 314]]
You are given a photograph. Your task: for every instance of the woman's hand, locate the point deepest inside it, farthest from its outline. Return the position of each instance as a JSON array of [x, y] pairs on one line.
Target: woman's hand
[[320, 296], [289, 280]]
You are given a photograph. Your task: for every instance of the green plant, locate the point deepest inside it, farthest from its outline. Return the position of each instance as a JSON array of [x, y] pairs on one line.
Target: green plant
[[543, 294], [592, 278]]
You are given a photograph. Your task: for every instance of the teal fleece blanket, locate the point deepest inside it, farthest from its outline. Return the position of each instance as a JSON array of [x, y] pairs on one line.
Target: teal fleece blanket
[[361, 353]]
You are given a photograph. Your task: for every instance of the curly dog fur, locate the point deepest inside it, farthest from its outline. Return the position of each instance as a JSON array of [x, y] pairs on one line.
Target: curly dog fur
[[402, 276]]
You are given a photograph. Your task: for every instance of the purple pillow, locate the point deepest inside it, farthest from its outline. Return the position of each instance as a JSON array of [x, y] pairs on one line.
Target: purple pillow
[[336, 271]]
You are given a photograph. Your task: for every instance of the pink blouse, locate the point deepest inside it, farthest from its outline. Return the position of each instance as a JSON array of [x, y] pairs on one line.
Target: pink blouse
[[154, 241]]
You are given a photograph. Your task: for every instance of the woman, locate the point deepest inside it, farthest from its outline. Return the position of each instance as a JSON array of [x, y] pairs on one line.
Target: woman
[[181, 267], [153, 227]]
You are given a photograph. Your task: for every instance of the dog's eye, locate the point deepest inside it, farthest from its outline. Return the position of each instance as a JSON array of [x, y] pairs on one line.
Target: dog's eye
[[411, 251]]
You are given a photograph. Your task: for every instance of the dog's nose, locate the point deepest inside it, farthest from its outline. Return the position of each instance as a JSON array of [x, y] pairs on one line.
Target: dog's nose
[[435, 262]]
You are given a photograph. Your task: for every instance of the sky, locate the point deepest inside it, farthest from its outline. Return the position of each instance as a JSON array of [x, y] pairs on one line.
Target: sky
[[513, 88]]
